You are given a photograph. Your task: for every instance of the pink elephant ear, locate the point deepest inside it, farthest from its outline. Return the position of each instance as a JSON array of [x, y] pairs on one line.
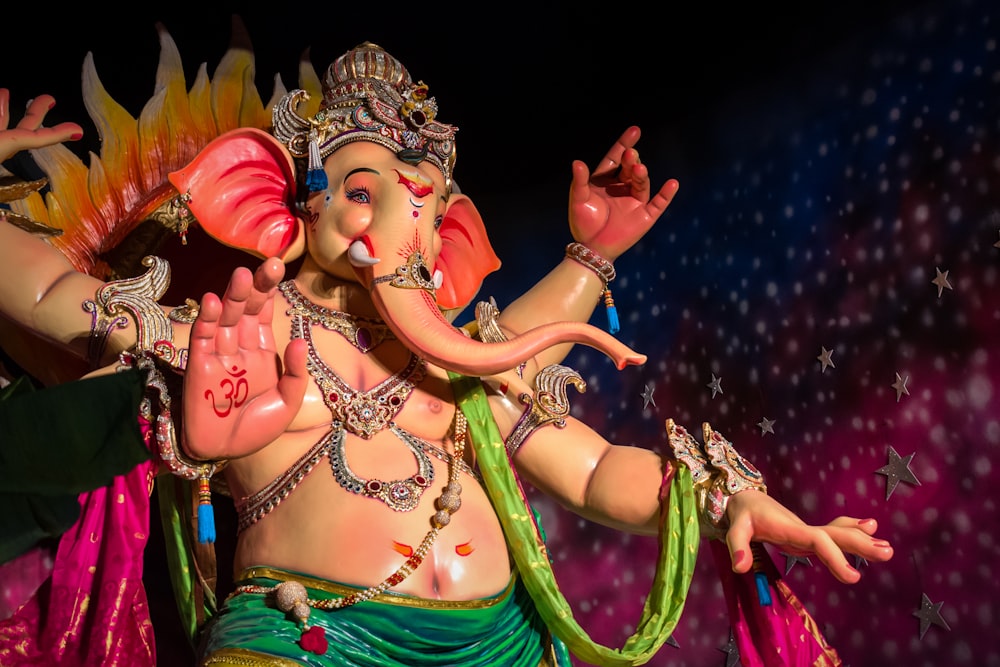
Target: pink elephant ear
[[466, 256], [242, 191]]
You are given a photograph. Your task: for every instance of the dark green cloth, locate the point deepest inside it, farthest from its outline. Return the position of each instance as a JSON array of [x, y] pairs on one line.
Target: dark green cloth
[[58, 442], [390, 631]]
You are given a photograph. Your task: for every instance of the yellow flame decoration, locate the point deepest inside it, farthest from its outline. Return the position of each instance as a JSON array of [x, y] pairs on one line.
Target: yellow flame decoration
[[96, 207]]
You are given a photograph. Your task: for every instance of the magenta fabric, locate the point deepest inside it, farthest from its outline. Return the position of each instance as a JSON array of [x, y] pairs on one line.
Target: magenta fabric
[[782, 634], [93, 610]]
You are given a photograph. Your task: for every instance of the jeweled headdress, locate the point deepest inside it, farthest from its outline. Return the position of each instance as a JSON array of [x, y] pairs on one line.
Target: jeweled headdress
[[367, 96]]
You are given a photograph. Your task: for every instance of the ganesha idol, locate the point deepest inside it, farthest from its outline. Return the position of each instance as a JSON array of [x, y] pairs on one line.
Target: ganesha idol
[[376, 453]]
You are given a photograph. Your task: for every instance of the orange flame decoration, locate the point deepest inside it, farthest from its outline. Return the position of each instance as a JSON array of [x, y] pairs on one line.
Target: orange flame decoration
[[96, 207]]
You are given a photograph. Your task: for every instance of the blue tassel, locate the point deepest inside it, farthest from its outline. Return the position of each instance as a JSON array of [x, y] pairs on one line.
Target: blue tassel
[[763, 590], [609, 304], [316, 180], [206, 524], [206, 515]]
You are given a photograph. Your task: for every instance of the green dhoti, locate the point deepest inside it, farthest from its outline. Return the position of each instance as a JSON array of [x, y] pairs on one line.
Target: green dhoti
[[390, 629]]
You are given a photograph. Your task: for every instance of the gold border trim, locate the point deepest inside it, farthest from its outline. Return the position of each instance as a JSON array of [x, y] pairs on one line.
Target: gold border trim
[[241, 657]]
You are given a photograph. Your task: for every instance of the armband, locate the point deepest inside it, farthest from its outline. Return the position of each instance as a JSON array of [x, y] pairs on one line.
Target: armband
[[549, 405], [718, 472]]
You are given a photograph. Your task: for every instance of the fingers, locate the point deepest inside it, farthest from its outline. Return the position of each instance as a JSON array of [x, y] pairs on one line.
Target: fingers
[[612, 160], [4, 109], [659, 203], [35, 114], [579, 189], [293, 382]]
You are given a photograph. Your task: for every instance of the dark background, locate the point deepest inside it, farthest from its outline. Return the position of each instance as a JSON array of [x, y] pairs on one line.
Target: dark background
[[831, 158]]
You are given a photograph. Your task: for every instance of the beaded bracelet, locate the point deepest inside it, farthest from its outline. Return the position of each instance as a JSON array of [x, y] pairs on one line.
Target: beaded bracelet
[[605, 270]]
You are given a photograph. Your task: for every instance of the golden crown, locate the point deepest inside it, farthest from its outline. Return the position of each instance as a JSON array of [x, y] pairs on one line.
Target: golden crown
[[367, 96]]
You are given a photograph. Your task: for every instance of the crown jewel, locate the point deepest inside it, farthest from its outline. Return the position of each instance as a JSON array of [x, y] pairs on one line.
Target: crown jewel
[[368, 96]]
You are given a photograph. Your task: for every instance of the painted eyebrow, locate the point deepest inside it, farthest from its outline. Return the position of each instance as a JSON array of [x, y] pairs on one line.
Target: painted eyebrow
[[361, 170]]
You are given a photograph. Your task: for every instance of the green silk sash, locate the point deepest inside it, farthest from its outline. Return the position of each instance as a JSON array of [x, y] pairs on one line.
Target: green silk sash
[[678, 539]]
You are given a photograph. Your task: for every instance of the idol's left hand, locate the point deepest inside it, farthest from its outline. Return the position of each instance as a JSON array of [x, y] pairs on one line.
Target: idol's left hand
[[611, 208], [755, 516]]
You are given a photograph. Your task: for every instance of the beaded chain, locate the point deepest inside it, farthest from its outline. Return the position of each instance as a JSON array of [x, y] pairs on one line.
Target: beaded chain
[[291, 596]]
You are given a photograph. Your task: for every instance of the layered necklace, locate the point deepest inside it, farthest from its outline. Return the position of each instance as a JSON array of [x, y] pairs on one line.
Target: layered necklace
[[365, 413]]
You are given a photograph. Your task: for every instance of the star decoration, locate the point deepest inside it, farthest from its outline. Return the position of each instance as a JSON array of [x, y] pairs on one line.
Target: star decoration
[[732, 651], [825, 359], [930, 612], [897, 470], [647, 397], [860, 562], [996, 244], [672, 642], [900, 386], [791, 561], [941, 280], [766, 425], [715, 385]]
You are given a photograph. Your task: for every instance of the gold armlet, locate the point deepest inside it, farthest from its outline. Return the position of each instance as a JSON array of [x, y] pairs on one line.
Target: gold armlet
[[718, 472], [549, 405], [136, 298], [488, 329]]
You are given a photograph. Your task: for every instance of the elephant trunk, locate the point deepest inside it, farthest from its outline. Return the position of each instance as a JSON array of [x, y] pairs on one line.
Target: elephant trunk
[[413, 315]]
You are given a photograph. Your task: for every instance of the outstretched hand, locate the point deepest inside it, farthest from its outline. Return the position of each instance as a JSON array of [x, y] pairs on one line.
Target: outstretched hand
[[755, 516], [611, 208], [29, 133], [236, 397]]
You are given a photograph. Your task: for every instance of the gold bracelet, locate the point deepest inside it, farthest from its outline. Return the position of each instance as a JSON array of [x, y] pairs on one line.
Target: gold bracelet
[[605, 270], [590, 259]]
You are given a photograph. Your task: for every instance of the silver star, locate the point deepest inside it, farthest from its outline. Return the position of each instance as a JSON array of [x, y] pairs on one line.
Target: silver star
[[941, 280], [647, 397], [930, 613], [672, 642], [897, 470], [860, 562], [766, 425], [900, 386], [732, 651], [715, 385], [791, 561], [825, 359]]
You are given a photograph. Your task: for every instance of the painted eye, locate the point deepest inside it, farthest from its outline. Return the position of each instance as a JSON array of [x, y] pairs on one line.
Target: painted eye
[[438, 221], [358, 196]]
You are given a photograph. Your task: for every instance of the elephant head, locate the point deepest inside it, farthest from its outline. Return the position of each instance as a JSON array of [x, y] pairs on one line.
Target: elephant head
[[380, 210]]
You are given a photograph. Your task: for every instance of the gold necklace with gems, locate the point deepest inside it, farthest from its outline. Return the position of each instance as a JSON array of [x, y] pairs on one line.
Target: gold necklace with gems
[[363, 333], [363, 413]]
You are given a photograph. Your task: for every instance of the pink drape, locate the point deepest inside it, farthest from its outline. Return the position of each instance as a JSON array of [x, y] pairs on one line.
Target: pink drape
[[92, 611]]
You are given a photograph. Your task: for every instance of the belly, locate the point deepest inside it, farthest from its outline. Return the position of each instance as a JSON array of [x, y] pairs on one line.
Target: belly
[[323, 530]]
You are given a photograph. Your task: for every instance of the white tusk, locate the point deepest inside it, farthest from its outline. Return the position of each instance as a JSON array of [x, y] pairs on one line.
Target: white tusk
[[359, 256], [438, 278]]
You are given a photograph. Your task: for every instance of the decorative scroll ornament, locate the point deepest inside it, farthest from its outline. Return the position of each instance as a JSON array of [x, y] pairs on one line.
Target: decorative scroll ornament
[[550, 404], [137, 298]]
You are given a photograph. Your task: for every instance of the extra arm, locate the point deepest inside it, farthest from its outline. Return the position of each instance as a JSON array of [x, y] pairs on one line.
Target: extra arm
[[610, 209]]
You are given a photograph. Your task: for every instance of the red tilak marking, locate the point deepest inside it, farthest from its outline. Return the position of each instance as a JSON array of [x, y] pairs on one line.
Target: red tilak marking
[[420, 188], [234, 392], [464, 549]]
